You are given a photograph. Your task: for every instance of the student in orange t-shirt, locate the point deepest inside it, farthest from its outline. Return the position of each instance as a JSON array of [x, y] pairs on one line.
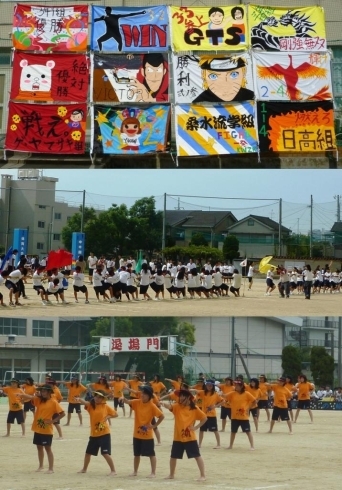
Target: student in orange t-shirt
[[210, 401], [254, 390], [184, 439], [176, 385], [99, 412], [56, 393], [143, 443], [281, 397], [16, 412], [225, 388], [134, 384], [75, 390], [29, 388], [118, 388], [48, 412], [158, 387], [303, 391], [291, 387], [263, 401], [240, 401]]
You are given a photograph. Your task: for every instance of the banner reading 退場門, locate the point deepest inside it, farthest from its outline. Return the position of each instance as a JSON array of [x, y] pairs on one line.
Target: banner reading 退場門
[[133, 78], [46, 128], [292, 76], [50, 77], [129, 29], [208, 28], [44, 28], [286, 29], [131, 130], [296, 126], [212, 78], [216, 130]]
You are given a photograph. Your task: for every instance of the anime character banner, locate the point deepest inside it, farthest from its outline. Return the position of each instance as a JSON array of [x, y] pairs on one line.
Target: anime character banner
[[208, 28], [131, 78], [50, 77], [129, 29], [131, 131], [216, 130], [212, 78], [296, 127], [46, 128], [287, 29], [43, 28], [292, 76]]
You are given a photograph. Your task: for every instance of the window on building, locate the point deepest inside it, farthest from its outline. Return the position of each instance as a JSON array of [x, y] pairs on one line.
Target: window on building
[[57, 236], [42, 328], [251, 222], [5, 369], [40, 246], [52, 365], [41, 224], [13, 326], [58, 215], [41, 206], [22, 368]]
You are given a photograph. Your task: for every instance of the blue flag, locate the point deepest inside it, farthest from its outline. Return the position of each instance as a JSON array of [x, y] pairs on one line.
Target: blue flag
[[6, 258]]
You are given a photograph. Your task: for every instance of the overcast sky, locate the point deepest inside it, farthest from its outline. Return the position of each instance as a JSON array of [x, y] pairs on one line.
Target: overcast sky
[[105, 187]]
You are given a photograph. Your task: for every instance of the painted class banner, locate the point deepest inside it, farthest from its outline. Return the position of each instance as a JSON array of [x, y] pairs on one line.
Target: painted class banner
[[292, 76], [208, 28], [287, 29], [50, 77], [43, 28], [212, 78], [216, 130], [131, 78], [296, 127], [131, 29], [131, 131], [46, 128]]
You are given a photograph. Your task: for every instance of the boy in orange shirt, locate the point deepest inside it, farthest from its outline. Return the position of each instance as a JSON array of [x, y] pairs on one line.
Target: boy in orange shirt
[[184, 439], [143, 443], [75, 390], [16, 412], [118, 387], [99, 412]]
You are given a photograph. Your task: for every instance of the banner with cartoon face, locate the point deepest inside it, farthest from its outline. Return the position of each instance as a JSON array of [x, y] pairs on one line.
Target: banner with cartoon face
[[296, 127], [216, 130], [129, 29], [212, 78], [131, 78], [46, 128], [286, 29], [208, 28], [50, 77], [131, 130], [43, 28]]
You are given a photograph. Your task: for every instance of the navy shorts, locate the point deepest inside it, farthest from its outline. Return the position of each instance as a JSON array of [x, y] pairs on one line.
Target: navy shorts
[[303, 404], [74, 406], [190, 447], [244, 424], [210, 425], [17, 415], [225, 412], [143, 447], [42, 439], [280, 413], [28, 407], [97, 443]]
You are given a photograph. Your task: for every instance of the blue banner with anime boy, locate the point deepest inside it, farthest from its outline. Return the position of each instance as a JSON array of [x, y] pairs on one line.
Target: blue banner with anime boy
[[122, 29], [131, 130]]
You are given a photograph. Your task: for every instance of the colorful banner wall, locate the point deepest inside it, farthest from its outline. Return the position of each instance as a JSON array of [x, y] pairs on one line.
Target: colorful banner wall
[[216, 130], [292, 76], [208, 28], [287, 29], [296, 127], [41, 128], [50, 77], [212, 78], [131, 78], [129, 29], [129, 131], [42, 28]]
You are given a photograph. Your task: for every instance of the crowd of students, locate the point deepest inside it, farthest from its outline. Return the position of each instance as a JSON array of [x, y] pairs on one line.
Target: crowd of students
[[194, 409]]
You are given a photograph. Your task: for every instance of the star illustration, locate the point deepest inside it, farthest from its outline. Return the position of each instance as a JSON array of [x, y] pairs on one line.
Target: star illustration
[[109, 143], [101, 118], [100, 137]]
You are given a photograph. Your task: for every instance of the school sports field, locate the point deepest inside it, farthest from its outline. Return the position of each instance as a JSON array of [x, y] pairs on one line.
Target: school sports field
[[250, 303], [309, 459]]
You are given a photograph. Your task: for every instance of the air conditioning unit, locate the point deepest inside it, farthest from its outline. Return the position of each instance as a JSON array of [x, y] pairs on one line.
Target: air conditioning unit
[[30, 173], [12, 339]]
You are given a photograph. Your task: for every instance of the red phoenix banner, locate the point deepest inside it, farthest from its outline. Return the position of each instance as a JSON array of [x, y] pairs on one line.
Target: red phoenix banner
[[50, 77], [40, 128]]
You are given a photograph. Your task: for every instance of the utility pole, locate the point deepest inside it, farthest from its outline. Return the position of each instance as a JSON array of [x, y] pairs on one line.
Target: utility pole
[[82, 214], [338, 211], [311, 224], [280, 226], [164, 228], [233, 352]]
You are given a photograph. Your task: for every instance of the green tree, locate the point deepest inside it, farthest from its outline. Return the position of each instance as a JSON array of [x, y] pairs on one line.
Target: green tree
[[196, 253], [198, 240], [230, 248], [291, 361], [74, 225], [322, 366]]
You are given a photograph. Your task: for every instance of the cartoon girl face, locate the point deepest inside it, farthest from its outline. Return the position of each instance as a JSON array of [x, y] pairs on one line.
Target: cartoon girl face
[[130, 126], [216, 18]]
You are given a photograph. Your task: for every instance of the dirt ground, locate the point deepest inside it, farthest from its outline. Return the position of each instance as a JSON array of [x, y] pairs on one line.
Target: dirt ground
[[309, 459], [250, 303]]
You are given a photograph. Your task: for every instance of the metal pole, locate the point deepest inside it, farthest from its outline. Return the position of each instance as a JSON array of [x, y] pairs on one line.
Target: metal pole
[[339, 352], [280, 225], [164, 228], [242, 360], [311, 220], [82, 214], [8, 218], [233, 354]]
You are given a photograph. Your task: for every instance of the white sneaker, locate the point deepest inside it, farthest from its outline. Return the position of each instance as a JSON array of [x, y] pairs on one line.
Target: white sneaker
[[76, 300], [44, 303], [112, 300], [86, 302]]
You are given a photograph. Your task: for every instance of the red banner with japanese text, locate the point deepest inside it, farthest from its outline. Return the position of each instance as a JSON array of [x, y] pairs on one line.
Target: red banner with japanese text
[[41, 128]]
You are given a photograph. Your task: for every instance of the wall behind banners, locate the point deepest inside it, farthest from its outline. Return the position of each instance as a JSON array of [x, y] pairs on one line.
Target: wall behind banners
[[332, 9]]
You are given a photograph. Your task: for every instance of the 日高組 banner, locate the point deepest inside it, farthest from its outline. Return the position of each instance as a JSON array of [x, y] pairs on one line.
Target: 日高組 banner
[[208, 28], [292, 76], [216, 130], [131, 78], [50, 77], [44, 28], [46, 128], [131, 130], [296, 126], [287, 29], [212, 78], [129, 29]]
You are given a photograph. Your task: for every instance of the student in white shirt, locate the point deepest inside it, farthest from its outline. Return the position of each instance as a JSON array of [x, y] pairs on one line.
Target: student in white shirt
[[145, 275], [159, 284], [131, 287], [308, 280], [37, 279], [92, 261], [250, 275], [123, 274], [98, 285], [11, 283], [78, 284], [113, 285], [56, 274], [54, 289], [235, 287], [168, 283], [192, 283], [270, 286], [180, 283]]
